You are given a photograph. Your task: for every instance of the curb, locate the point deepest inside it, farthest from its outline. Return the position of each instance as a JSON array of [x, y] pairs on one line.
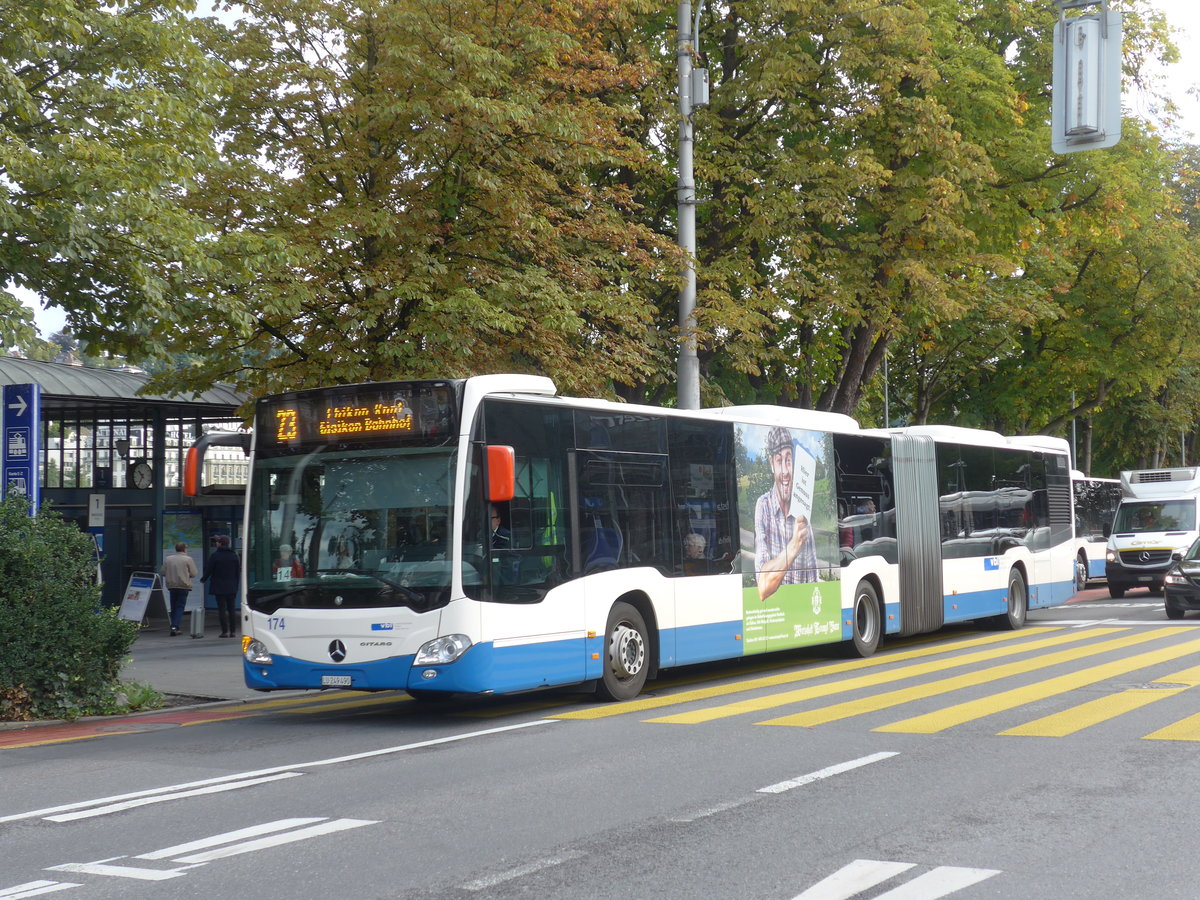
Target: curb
[[202, 702]]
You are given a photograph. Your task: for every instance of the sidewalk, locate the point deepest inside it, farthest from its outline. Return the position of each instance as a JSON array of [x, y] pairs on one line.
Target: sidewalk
[[206, 668]]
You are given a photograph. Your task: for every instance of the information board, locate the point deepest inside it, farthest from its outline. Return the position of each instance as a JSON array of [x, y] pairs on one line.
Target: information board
[[21, 441], [137, 596]]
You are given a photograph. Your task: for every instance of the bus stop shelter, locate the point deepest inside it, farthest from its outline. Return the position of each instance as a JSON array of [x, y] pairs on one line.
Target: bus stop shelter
[[110, 457]]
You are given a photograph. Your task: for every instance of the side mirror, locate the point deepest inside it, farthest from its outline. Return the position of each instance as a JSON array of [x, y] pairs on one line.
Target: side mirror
[[194, 460], [502, 473], [1107, 530], [1177, 554]]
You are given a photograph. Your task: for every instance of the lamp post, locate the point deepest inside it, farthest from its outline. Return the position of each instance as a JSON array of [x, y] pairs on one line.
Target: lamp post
[[693, 92]]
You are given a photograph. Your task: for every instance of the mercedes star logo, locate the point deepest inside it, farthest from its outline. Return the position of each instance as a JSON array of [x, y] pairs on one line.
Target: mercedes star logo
[[1145, 557], [337, 651]]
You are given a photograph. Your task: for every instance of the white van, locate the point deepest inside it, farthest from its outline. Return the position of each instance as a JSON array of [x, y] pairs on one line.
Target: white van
[[1157, 516]]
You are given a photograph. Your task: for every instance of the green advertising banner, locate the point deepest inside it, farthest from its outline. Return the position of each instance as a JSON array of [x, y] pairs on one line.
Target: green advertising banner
[[792, 596]]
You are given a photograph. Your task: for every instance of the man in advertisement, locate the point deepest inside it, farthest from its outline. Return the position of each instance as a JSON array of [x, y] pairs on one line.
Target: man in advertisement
[[783, 545]]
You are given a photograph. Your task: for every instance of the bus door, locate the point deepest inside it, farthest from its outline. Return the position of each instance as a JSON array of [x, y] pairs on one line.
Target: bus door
[[623, 524], [918, 533]]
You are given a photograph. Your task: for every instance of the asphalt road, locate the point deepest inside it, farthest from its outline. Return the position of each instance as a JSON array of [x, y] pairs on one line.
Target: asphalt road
[[1050, 762]]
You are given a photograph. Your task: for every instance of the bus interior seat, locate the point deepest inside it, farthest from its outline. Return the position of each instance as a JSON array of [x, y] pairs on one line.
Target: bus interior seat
[[601, 548]]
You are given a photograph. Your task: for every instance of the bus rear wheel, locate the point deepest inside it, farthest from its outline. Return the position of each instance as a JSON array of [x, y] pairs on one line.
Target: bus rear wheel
[[1018, 603], [626, 654], [867, 620]]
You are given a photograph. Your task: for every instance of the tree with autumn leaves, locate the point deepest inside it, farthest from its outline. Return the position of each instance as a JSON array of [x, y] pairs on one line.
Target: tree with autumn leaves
[[371, 190]]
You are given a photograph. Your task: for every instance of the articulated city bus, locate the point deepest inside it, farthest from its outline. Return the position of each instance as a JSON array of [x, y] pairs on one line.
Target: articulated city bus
[[1096, 501], [488, 535]]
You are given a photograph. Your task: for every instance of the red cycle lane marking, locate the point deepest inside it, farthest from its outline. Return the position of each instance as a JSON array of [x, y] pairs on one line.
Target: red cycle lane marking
[[96, 728]]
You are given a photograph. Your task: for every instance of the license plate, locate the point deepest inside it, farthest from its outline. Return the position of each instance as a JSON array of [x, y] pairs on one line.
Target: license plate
[[335, 681]]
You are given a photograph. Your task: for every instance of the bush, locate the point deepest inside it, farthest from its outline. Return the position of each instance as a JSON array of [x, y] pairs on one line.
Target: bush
[[60, 651]]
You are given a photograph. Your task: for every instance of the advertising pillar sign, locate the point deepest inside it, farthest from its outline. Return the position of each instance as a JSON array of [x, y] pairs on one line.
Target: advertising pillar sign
[[20, 431]]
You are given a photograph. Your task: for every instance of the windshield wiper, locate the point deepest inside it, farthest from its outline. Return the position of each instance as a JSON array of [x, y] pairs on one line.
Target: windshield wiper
[[402, 589], [281, 595]]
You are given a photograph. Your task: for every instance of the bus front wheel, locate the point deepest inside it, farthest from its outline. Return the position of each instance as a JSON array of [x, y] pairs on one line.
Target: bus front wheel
[[867, 619], [626, 654], [1018, 603]]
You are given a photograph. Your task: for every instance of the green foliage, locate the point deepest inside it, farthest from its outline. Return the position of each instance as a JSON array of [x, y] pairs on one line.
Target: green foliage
[[410, 189], [137, 696], [103, 131], [60, 653], [346, 190]]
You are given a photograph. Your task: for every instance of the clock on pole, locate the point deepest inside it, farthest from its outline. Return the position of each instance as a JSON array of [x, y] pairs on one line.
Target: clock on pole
[[141, 475]]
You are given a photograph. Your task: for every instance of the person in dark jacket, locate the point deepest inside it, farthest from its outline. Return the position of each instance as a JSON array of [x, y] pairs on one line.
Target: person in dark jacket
[[224, 570]]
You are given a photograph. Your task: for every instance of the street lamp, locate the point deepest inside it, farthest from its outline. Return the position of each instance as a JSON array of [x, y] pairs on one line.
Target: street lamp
[[693, 93]]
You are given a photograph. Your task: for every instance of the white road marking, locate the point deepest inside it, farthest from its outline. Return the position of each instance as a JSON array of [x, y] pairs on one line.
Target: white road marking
[[1089, 623], [35, 889], [838, 769], [941, 881], [1104, 604], [227, 838], [163, 798], [277, 840], [101, 868], [853, 878], [863, 874], [711, 811], [483, 884], [33, 814]]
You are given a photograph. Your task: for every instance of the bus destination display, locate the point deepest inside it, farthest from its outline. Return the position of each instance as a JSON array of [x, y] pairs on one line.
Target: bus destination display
[[365, 413]]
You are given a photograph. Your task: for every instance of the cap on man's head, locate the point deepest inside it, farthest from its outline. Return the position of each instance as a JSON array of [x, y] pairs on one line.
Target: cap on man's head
[[285, 548], [778, 438]]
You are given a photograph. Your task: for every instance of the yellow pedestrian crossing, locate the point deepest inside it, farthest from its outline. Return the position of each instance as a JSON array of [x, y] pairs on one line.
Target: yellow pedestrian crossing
[[1102, 709], [931, 723], [771, 701], [1184, 730], [642, 704], [984, 663], [945, 686]]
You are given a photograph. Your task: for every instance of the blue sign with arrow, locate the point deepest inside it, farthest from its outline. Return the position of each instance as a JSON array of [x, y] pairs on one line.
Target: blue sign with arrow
[[20, 431]]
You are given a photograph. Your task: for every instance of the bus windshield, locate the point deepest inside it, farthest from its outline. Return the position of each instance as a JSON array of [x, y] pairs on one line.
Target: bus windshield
[[351, 529]]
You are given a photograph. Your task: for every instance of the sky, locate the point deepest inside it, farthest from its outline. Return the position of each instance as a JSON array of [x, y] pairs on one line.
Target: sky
[[1183, 14]]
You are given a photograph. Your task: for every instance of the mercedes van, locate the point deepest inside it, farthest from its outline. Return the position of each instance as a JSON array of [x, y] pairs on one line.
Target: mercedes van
[[1157, 515]]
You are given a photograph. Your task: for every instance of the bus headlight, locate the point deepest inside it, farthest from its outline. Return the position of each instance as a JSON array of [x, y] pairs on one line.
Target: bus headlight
[[442, 650], [1110, 556], [256, 653]]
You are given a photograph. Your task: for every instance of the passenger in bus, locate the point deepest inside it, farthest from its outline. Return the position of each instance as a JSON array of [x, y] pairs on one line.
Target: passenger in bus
[[286, 566], [694, 561], [783, 545]]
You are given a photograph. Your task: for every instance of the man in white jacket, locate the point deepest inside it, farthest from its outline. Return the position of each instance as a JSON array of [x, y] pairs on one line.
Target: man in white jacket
[[179, 572]]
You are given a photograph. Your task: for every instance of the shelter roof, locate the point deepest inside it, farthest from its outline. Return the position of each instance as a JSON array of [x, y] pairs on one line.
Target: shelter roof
[[87, 389]]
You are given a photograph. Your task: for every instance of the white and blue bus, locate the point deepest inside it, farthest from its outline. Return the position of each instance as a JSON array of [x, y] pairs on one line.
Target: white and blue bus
[[487, 535], [1096, 501]]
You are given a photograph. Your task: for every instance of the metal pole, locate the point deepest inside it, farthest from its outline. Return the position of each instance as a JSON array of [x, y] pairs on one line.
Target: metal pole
[[887, 415], [1074, 439], [689, 363]]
